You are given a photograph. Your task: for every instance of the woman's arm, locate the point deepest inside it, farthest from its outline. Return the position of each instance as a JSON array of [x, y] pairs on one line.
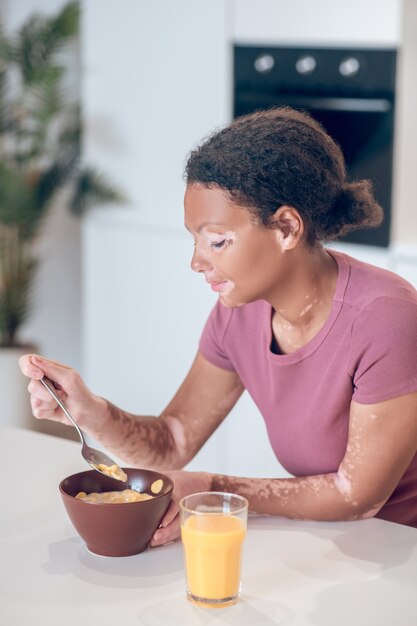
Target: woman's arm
[[206, 396], [382, 442], [169, 441]]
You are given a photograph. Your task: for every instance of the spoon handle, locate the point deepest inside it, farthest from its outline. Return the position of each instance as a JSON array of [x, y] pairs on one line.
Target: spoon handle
[[49, 387]]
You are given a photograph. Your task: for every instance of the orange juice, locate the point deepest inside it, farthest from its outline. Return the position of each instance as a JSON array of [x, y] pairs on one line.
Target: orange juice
[[212, 547]]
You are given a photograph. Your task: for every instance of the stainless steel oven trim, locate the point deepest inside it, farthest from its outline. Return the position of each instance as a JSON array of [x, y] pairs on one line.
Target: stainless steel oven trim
[[361, 105]]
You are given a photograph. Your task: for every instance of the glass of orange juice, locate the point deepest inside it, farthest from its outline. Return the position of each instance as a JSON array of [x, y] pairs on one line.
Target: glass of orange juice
[[213, 528]]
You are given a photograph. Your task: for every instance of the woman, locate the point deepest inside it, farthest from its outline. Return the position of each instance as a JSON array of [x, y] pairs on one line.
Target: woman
[[325, 345]]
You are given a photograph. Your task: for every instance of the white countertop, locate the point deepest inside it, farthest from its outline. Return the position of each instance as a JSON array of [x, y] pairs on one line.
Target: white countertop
[[299, 573]]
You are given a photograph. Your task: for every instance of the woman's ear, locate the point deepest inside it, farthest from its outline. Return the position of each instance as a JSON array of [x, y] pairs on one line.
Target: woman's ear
[[289, 226]]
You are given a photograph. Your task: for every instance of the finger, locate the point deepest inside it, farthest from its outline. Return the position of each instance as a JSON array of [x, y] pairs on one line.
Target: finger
[[42, 359], [171, 513], [60, 375], [46, 414], [37, 390], [47, 410], [28, 368], [166, 535]]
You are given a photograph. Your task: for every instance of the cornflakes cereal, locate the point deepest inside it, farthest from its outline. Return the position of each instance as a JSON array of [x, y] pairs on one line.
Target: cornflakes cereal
[[157, 486], [114, 471], [114, 497]]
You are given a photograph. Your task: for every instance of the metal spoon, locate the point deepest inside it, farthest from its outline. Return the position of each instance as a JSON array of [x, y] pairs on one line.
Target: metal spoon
[[94, 457]]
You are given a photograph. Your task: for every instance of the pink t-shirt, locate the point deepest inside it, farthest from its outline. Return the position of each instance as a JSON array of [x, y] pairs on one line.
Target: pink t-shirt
[[366, 350]]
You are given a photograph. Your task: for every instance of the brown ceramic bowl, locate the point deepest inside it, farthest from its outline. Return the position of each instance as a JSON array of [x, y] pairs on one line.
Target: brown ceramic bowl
[[115, 529]]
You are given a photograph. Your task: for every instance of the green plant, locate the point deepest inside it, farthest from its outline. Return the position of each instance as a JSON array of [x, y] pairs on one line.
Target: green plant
[[40, 141]]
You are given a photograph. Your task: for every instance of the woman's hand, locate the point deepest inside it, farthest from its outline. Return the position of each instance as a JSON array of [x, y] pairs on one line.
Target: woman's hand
[[79, 400], [185, 483]]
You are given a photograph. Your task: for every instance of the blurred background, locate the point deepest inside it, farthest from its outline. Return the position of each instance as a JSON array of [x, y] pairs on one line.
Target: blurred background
[[113, 294]]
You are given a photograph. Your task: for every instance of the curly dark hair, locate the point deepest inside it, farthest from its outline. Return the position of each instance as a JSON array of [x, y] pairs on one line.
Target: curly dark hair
[[281, 156]]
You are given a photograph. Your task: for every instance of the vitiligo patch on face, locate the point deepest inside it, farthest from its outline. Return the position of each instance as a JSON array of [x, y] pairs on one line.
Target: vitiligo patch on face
[[227, 237], [229, 286]]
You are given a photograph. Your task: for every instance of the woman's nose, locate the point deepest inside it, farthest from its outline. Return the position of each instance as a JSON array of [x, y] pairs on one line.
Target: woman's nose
[[199, 261]]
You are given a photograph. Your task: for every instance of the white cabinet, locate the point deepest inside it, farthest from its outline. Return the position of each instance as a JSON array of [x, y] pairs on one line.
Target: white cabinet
[[144, 311], [155, 80], [322, 22]]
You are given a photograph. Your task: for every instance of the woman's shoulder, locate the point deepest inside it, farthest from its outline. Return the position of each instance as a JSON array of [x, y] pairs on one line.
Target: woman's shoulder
[[384, 308], [369, 286]]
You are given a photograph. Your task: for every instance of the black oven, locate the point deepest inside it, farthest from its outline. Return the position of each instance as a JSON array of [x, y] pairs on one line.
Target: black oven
[[350, 91]]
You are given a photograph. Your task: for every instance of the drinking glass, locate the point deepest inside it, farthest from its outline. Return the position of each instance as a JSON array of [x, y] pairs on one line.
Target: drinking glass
[[213, 529]]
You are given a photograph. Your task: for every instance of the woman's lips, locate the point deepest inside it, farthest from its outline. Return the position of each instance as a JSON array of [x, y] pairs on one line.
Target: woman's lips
[[219, 285]]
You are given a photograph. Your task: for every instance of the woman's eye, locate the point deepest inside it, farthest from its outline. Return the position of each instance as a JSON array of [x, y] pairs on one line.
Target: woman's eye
[[218, 244]]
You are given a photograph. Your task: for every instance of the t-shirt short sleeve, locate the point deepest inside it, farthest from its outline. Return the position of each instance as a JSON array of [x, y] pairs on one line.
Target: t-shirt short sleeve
[[384, 350], [212, 341]]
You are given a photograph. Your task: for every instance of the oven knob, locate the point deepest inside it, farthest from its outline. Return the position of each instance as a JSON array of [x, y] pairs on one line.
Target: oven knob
[[349, 67], [306, 64], [264, 63]]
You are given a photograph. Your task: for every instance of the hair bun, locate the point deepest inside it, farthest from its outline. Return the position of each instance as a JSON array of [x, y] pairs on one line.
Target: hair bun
[[354, 207]]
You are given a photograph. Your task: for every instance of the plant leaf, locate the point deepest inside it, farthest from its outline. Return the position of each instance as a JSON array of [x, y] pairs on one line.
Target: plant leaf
[[40, 39], [40, 144], [91, 189]]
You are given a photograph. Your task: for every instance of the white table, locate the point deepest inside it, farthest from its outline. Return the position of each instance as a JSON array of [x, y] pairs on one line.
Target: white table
[[300, 573]]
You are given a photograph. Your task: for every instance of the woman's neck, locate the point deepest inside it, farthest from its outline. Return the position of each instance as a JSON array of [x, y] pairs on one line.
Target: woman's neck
[[303, 304]]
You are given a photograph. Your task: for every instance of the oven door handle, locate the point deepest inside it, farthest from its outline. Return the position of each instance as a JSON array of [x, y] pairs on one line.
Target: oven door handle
[[329, 103], [319, 103], [361, 105]]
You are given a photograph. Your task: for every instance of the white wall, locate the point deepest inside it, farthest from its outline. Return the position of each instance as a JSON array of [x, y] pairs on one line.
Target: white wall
[[155, 80], [371, 23]]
